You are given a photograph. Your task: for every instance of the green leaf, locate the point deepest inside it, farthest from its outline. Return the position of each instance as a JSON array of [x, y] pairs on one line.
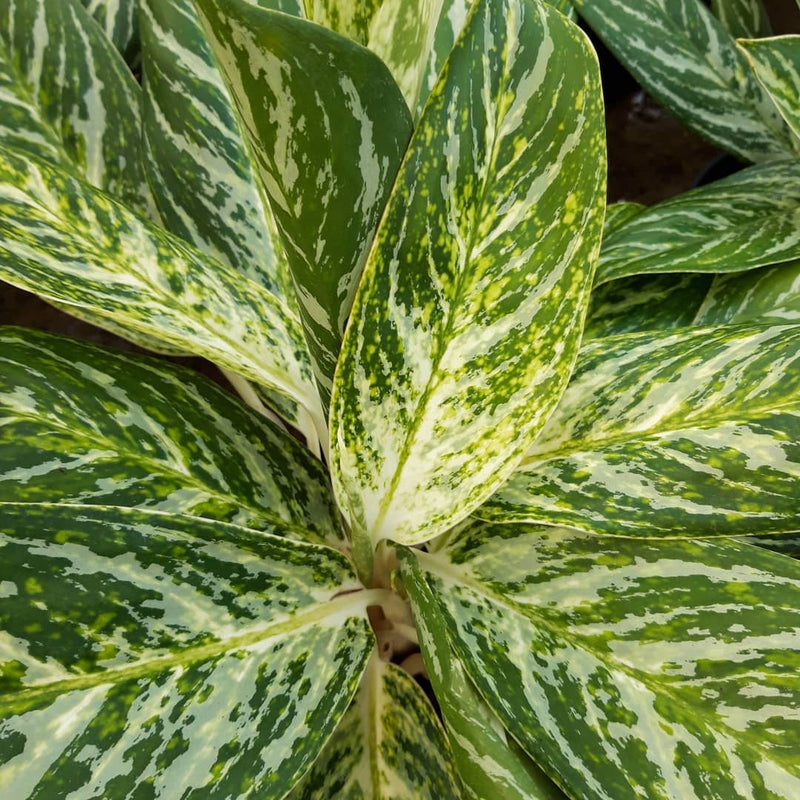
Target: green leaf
[[750, 219], [67, 96], [632, 669], [487, 764], [645, 303], [197, 159], [771, 294], [743, 18], [119, 20], [487, 243], [68, 242], [389, 745], [692, 433], [776, 63], [617, 214], [327, 157], [681, 54], [79, 424], [144, 653]]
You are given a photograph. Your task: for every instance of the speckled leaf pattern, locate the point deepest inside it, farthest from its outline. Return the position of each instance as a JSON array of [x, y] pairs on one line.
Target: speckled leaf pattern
[[684, 56], [743, 18], [632, 669], [617, 214], [63, 81], [776, 63], [468, 316], [68, 242], [487, 764], [645, 303], [771, 294], [327, 157], [80, 424], [144, 653], [691, 433], [119, 20], [750, 219], [197, 163], [389, 746]]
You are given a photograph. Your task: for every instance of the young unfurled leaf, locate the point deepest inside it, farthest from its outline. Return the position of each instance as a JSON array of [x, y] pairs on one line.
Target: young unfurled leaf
[[119, 20], [632, 669], [469, 314], [327, 143], [686, 58], [143, 652], [691, 433], [388, 745], [83, 425]]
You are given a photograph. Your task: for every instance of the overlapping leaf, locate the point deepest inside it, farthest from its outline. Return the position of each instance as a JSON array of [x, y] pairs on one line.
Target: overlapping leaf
[[743, 18], [68, 242], [327, 143], [488, 764], [198, 164], [67, 96], [771, 294], [776, 62], [119, 20], [389, 745], [695, 432], [750, 219], [686, 58], [470, 309], [144, 652], [632, 669], [79, 424]]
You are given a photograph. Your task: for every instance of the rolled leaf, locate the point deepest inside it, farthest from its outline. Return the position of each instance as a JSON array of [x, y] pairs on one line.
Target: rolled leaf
[[388, 745], [748, 220], [776, 63], [76, 100], [81, 424], [487, 764], [684, 56], [119, 21], [469, 313], [144, 652], [771, 295], [743, 18], [327, 157], [645, 303], [632, 669], [68, 242], [692, 433]]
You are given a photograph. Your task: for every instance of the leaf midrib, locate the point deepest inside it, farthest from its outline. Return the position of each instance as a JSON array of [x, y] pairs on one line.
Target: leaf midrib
[[354, 601], [469, 580]]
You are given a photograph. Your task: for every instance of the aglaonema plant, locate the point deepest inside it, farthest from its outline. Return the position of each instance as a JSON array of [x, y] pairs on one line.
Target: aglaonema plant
[[381, 221]]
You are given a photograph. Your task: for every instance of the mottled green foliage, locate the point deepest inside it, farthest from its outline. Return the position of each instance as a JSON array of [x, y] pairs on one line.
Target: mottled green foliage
[[468, 316], [120, 22], [632, 669], [743, 18]]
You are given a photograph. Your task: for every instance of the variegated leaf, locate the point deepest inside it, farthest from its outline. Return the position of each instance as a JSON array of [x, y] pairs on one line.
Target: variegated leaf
[[68, 242], [645, 303], [692, 433], [743, 18], [147, 654], [389, 746], [469, 313], [77, 103], [197, 159], [617, 214], [776, 63], [750, 219], [79, 424], [684, 56], [488, 765], [632, 669], [785, 545], [771, 294], [119, 21], [326, 156]]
